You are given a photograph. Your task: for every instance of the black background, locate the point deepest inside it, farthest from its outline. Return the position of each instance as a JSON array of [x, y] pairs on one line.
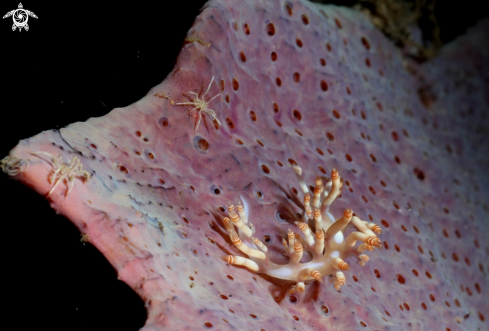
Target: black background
[[80, 60], [72, 61]]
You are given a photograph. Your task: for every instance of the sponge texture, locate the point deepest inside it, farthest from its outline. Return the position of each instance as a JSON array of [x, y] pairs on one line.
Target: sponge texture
[[297, 83]]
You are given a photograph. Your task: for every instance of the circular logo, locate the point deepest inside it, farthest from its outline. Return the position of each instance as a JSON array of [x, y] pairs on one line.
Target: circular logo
[[20, 17]]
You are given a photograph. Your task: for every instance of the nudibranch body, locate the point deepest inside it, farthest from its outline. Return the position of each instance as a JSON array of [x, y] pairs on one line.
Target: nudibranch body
[[322, 237]]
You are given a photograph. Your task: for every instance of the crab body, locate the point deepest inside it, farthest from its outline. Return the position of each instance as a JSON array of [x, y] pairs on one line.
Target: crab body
[[201, 105], [64, 172]]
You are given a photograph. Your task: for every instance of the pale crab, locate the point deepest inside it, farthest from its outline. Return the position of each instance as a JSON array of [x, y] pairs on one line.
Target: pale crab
[[63, 171], [201, 105]]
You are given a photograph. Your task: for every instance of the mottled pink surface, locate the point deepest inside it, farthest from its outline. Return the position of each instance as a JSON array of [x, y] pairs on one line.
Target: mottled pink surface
[[403, 137]]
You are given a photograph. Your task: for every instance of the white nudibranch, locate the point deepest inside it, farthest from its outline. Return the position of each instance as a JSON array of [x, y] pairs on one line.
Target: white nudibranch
[[323, 238]]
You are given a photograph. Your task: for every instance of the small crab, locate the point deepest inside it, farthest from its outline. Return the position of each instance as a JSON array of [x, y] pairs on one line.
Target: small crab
[[64, 171], [201, 105]]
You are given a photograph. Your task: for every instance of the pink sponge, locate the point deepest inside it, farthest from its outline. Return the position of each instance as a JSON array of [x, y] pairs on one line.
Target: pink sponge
[[296, 84]]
